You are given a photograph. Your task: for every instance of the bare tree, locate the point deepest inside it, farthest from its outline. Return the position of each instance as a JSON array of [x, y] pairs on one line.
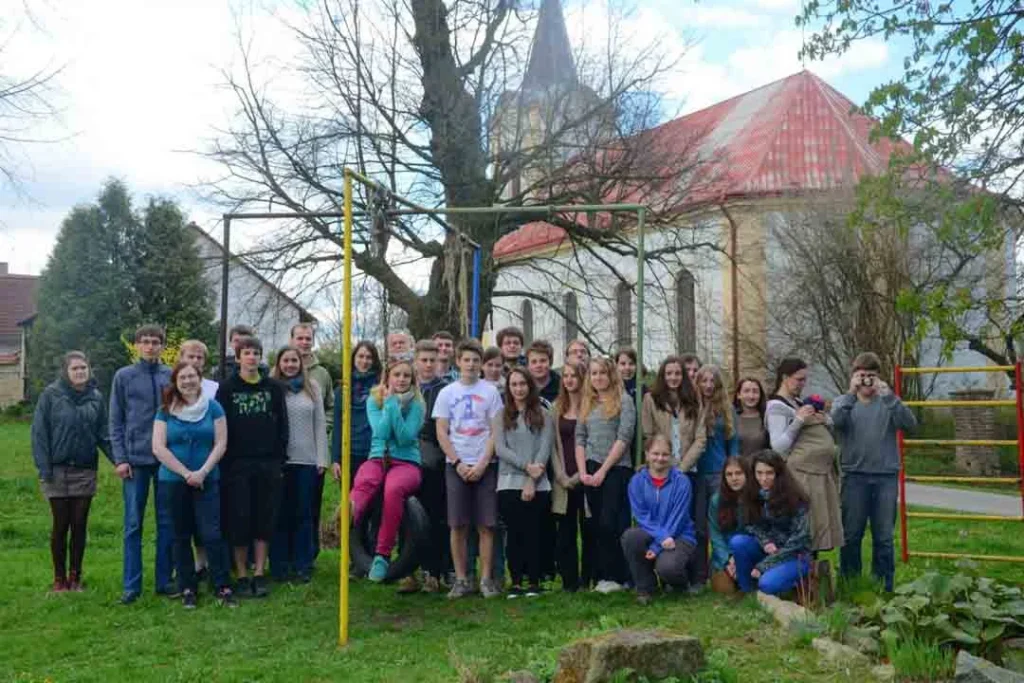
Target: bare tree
[[26, 95], [418, 93]]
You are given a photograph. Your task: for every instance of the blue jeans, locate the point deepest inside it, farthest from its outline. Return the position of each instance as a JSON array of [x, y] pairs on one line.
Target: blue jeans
[[196, 512], [869, 497], [135, 492], [780, 578], [292, 547]]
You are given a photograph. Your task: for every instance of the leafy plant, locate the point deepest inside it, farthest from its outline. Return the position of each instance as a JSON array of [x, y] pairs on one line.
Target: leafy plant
[[972, 613], [717, 669]]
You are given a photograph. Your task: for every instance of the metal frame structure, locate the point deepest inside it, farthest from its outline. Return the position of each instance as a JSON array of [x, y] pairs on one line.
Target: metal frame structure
[[351, 176], [903, 444]]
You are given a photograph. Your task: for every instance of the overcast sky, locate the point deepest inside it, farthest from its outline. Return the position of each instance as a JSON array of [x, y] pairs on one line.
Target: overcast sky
[[141, 86]]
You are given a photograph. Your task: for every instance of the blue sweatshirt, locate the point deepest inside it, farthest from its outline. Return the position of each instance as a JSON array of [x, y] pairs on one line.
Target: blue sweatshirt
[[361, 385], [662, 512], [718, 448], [396, 431], [134, 400]]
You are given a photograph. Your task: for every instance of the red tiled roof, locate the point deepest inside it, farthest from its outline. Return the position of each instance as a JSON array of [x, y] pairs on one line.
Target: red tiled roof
[[793, 135], [17, 302]]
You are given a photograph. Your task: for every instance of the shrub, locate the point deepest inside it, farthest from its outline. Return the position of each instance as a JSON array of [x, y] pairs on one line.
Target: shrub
[[915, 659]]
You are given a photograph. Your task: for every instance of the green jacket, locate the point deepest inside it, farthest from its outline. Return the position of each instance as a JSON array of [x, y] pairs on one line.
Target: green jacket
[[323, 380]]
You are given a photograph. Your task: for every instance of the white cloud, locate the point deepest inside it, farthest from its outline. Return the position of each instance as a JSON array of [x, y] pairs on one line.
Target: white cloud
[[722, 17]]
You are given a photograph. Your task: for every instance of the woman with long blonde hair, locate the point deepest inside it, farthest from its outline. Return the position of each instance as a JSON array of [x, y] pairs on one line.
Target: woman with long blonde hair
[[567, 492], [293, 547], [604, 434], [722, 442], [395, 411]]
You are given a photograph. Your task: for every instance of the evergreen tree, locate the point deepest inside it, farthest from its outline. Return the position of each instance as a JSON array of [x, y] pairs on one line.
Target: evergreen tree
[[82, 289], [111, 271], [167, 274]]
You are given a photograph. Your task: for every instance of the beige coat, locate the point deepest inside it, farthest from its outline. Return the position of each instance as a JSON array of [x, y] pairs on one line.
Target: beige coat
[[562, 482], [692, 439]]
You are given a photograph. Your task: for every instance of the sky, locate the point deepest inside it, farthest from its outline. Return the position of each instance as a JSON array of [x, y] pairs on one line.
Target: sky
[[141, 88]]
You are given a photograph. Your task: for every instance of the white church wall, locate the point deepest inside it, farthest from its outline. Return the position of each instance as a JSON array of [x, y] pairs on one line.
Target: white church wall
[[590, 277]]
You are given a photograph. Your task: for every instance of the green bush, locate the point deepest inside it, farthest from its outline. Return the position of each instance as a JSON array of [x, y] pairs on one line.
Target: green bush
[[915, 659], [975, 614], [21, 410]]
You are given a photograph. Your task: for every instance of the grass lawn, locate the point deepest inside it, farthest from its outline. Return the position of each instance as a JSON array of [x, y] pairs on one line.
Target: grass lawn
[[292, 635]]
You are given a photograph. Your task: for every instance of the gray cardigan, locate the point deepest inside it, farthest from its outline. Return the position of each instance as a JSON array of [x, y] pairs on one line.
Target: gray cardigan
[[519, 447], [307, 428], [597, 434]]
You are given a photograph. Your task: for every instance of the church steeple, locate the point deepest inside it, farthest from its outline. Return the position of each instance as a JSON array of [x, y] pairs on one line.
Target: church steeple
[[551, 61]]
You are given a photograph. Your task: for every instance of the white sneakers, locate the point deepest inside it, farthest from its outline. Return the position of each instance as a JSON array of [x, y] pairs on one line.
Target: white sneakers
[[608, 587]]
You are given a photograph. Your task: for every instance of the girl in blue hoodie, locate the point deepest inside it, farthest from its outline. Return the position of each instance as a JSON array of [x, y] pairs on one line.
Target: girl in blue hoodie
[[366, 369], [663, 541]]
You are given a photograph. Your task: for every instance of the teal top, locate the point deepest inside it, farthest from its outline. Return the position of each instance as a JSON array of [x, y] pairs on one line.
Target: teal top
[[191, 442], [395, 429]]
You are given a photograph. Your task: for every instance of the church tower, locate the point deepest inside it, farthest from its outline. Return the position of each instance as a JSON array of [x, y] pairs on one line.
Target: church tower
[[534, 122]]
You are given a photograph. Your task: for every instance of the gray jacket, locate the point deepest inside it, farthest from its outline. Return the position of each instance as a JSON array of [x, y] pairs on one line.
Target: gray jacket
[[867, 432], [134, 400], [597, 434], [519, 447]]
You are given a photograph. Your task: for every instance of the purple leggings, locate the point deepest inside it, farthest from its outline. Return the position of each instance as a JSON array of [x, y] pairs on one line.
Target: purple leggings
[[401, 480]]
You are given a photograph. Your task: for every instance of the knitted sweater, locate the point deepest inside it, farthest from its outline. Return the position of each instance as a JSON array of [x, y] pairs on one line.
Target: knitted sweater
[[307, 428], [516, 448], [597, 434]]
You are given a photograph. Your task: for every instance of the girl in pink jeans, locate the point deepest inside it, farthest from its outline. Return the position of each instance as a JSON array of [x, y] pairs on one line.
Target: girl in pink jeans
[[395, 411]]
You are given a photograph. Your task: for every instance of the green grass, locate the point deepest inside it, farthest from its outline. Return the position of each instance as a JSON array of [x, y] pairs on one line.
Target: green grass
[[293, 635], [919, 660]]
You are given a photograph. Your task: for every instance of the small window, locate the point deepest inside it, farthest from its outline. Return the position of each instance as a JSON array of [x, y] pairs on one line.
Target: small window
[[572, 326], [686, 313], [623, 315], [526, 314]]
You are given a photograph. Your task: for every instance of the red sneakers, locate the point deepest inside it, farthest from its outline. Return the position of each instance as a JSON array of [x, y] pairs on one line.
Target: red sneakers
[[60, 585]]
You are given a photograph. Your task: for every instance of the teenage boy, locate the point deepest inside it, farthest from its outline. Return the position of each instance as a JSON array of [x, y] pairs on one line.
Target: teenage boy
[[539, 357], [511, 340], [445, 347], [435, 557], [866, 420], [251, 470], [135, 396], [464, 411], [691, 364], [236, 335], [577, 352], [303, 336]]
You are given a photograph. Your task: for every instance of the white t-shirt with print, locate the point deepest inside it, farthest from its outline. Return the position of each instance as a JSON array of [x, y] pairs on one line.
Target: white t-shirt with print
[[469, 410]]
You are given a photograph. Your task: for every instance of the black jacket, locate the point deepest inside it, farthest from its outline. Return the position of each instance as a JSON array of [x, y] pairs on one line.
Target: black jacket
[[257, 419], [430, 390], [68, 427]]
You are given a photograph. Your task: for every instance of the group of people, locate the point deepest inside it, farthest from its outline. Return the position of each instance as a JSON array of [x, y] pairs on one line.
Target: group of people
[[521, 469]]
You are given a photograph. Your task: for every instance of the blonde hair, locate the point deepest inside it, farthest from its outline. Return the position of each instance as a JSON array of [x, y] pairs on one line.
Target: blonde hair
[[378, 391], [719, 404], [610, 407], [276, 373], [192, 344]]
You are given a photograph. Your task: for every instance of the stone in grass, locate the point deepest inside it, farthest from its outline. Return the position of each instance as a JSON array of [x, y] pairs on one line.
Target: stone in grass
[[838, 654], [785, 612], [652, 654], [971, 669], [884, 672]]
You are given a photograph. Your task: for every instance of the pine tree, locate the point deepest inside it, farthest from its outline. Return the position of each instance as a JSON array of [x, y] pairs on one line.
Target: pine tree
[[82, 289], [167, 274]]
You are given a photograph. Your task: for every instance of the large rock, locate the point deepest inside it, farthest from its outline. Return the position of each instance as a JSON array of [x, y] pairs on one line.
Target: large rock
[[837, 654], [653, 654], [971, 669], [784, 611]]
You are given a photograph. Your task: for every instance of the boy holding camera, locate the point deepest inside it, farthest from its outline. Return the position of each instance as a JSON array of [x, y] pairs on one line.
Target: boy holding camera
[[866, 420]]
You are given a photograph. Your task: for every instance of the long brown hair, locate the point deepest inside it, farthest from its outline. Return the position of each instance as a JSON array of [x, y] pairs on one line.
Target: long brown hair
[[682, 400], [533, 415], [171, 396], [278, 374], [761, 401], [564, 400], [786, 496], [729, 501], [612, 407]]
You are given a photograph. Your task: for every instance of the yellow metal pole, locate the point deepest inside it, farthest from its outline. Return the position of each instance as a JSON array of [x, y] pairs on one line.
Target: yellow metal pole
[[346, 419]]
